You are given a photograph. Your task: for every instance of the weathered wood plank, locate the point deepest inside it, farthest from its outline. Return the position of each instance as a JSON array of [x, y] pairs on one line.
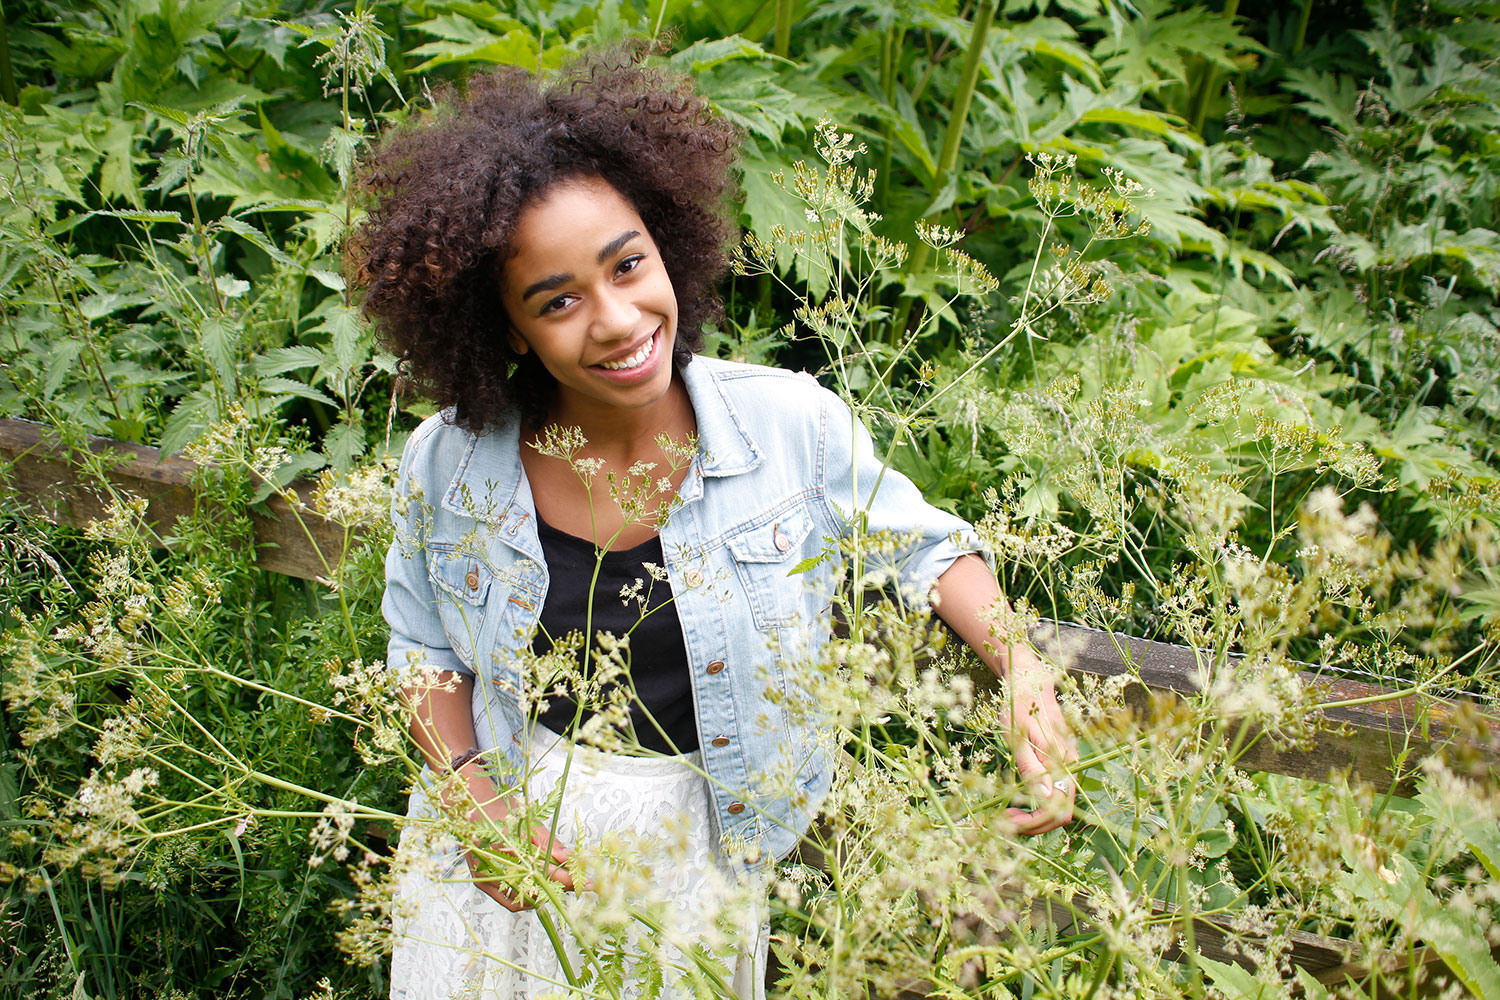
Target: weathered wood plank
[[1379, 742], [43, 471]]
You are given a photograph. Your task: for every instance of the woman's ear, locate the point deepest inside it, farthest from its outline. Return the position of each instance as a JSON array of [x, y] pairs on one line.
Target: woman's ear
[[516, 341]]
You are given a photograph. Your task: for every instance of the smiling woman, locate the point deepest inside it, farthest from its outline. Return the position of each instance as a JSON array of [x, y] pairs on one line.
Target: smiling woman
[[589, 297], [604, 328], [448, 189], [599, 594]]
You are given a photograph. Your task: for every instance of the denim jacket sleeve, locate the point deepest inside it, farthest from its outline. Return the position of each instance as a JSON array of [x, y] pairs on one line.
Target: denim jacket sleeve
[[856, 482], [409, 604]]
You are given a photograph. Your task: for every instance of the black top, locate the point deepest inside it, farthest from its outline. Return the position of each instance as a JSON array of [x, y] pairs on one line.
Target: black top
[[657, 657]]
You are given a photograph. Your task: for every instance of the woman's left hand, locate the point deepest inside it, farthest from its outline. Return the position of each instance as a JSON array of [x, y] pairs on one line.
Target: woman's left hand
[[1042, 748], [967, 596]]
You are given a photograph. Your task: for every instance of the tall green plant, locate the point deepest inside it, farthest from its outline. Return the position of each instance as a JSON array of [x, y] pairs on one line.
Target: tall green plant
[[921, 879]]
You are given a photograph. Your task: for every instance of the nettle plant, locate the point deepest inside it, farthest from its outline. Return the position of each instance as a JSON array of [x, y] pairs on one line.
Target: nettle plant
[[147, 308]]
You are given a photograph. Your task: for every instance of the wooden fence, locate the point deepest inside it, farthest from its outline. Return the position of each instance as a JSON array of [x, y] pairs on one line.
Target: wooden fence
[[1378, 738], [47, 474]]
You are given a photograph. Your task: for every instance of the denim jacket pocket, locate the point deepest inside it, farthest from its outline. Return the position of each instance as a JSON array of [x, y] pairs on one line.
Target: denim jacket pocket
[[516, 616], [764, 553], [461, 583]]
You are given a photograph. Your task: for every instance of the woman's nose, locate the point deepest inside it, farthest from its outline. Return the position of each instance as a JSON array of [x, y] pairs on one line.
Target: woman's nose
[[616, 316]]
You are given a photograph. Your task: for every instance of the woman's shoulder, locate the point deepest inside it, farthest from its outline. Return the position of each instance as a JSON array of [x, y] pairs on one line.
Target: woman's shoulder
[[439, 445], [762, 385]]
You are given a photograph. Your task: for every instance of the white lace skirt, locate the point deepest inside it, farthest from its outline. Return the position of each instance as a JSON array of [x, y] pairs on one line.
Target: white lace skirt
[[648, 821]]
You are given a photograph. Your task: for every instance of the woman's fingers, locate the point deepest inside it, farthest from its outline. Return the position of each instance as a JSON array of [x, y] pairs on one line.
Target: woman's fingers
[[557, 852], [1056, 795], [562, 854], [490, 886], [562, 877], [1042, 749], [1047, 730], [511, 903]]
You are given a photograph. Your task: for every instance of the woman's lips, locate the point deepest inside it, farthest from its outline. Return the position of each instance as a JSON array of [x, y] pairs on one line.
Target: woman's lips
[[641, 371]]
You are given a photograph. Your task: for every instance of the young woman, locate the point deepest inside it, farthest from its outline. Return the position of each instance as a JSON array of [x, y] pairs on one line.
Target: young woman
[[542, 259]]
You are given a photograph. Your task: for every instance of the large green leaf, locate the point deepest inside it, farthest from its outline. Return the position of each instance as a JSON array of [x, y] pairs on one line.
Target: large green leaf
[[462, 40], [1233, 981], [1475, 826], [280, 360], [1158, 43], [278, 386], [117, 174]]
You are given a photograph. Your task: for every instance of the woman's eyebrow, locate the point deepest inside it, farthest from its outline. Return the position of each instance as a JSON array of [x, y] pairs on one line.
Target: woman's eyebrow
[[546, 284], [611, 248], [614, 246]]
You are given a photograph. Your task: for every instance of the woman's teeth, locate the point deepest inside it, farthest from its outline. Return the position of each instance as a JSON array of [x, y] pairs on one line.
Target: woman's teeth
[[636, 359]]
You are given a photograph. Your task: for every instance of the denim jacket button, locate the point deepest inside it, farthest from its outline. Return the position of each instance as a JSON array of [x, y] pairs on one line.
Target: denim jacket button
[[720, 741], [735, 808], [716, 666], [472, 579]]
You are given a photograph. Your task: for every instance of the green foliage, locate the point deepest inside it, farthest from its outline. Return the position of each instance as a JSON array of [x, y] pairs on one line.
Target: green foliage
[[1302, 338], [1412, 166], [205, 906]]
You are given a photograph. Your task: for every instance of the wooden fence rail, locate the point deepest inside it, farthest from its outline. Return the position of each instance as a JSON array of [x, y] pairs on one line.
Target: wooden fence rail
[[1378, 739], [46, 473]]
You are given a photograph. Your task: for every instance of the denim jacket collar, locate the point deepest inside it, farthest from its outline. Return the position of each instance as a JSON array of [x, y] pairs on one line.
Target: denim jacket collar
[[490, 484]]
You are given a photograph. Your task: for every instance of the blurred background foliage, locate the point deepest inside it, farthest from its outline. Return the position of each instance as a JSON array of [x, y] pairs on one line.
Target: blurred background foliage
[[1315, 301]]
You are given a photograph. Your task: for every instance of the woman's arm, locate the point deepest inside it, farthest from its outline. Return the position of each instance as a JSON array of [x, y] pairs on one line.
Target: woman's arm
[[855, 479], [443, 728], [1037, 732]]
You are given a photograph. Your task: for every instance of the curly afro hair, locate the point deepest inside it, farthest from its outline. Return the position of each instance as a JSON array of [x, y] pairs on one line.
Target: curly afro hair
[[446, 189]]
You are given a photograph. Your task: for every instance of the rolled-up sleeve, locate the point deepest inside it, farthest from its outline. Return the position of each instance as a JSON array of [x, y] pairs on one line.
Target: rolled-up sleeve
[[861, 489], [409, 605]]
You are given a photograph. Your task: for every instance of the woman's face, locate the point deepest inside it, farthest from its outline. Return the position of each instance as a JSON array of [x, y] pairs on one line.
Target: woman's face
[[587, 292]]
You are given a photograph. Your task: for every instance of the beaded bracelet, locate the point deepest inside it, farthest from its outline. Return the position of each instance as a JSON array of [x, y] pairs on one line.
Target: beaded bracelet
[[458, 760]]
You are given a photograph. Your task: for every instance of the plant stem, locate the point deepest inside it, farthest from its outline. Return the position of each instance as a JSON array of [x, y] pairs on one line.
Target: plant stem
[[1210, 81], [7, 74], [958, 114], [396, 61], [1302, 27], [81, 323], [205, 260], [888, 91], [964, 95], [934, 58], [1101, 971], [783, 38], [1297, 44]]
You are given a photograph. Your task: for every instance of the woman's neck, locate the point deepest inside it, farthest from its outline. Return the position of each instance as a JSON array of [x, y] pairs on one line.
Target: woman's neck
[[622, 436], [618, 503]]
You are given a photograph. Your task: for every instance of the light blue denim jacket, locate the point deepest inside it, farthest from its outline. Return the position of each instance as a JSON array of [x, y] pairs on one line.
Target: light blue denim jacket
[[780, 469]]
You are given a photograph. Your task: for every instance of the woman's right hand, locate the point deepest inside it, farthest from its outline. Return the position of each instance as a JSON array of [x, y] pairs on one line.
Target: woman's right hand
[[491, 809], [440, 722]]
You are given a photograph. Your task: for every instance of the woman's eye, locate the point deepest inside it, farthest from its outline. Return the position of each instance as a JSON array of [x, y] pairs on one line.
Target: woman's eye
[[629, 264], [555, 304]]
